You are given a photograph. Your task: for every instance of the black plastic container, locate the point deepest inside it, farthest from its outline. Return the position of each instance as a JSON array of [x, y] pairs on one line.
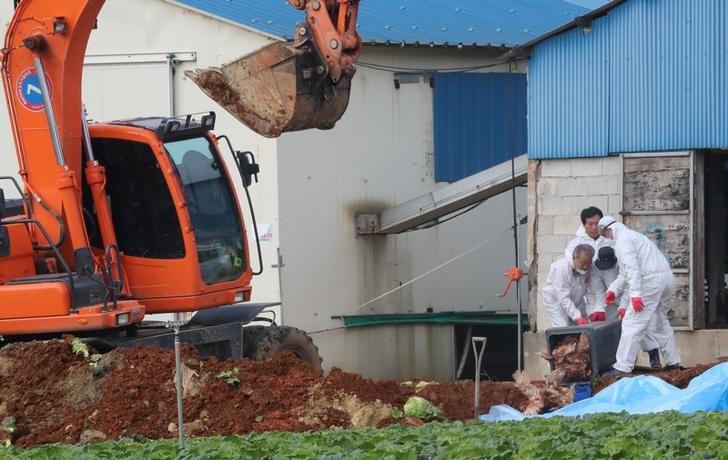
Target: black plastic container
[[603, 342]]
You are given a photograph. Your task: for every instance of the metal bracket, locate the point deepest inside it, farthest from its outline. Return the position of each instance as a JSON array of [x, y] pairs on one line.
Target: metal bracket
[[411, 78], [367, 223]]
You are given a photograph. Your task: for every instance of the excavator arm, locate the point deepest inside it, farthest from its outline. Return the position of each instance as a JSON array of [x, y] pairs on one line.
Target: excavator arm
[[54, 279], [292, 86], [333, 25], [42, 62]]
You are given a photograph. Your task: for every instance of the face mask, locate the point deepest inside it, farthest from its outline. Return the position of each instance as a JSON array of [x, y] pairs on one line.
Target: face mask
[[579, 272], [608, 240]]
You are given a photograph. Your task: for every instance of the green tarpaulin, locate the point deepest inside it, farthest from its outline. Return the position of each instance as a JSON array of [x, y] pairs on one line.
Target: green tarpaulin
[[434, 318]]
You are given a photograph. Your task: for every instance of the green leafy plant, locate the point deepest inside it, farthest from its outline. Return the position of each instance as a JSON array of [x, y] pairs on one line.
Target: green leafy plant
[[94, 359], [422, 408], [79, 348], [8, 425], [600, 436], [229, 376]]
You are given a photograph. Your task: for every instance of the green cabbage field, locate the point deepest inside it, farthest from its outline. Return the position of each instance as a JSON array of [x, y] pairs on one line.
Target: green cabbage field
[[616, 436]]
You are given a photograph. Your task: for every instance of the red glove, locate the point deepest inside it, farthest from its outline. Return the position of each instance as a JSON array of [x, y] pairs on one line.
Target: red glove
[[611, 298], [597, 316], [581, 321], [637, 304], [621, 313]]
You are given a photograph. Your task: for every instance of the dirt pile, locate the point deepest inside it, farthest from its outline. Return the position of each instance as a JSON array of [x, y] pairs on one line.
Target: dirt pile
[[57, 396], [49, 394], [678, 377]]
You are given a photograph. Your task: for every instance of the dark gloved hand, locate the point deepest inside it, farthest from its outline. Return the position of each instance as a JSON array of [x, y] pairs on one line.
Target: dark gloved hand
[[611, 298], [637, 304], [621, 312], [581, 321], [597, 316]]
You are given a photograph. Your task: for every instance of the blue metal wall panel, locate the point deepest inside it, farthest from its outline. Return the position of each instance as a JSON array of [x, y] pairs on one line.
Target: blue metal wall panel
[[568, 114], [480, 120], [438, 22], [670, 84], [658, 81]]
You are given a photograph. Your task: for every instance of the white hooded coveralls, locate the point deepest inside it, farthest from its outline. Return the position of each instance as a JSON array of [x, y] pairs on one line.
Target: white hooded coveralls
[[646, 274], [563, 293], [603, 280], [600, 278]]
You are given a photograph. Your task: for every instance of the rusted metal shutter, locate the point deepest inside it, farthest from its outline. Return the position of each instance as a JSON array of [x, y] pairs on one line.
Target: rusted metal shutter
[[657, 200]]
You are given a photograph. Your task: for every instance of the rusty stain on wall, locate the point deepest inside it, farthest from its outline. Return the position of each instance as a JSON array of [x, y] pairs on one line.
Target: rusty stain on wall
[[656, 184], [652, 185]]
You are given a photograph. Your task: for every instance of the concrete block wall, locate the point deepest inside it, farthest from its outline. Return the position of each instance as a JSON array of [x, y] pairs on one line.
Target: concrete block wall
[[563, 188]]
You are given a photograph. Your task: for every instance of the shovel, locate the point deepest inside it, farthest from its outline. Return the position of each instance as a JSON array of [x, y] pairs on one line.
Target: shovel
[[279, 88], [478, 353]]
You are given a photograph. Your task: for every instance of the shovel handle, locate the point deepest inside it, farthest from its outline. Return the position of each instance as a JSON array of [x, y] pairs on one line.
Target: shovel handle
[[478, 360]]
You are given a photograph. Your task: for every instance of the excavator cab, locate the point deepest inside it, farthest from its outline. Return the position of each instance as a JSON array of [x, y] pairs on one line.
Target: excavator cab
[[177, 220], [292, 86]]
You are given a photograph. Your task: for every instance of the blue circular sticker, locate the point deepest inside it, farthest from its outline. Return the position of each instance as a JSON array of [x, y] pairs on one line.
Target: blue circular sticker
[[28, 90]]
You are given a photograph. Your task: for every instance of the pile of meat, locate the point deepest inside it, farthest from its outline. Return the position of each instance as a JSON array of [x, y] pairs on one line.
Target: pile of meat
[[543, 395], [570, 359]]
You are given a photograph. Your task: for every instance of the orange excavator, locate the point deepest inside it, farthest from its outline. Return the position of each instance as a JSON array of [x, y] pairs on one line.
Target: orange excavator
[[139, 216]]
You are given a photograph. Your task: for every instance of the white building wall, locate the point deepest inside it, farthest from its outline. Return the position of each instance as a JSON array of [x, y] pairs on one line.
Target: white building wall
[[8, 160], [380, 154], [141, 27]]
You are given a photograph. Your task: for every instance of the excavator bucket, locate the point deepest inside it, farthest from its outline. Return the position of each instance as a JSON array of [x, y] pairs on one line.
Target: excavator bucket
[[278, 88]]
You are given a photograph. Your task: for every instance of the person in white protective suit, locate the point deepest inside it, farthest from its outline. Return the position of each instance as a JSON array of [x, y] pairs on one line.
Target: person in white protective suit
[[604, 273], [608, 283], [588, 233], [649, 282], [567, 284]]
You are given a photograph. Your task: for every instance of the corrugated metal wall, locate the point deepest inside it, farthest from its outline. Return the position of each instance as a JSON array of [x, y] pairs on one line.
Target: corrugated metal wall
[[651, 75], [480, 120]]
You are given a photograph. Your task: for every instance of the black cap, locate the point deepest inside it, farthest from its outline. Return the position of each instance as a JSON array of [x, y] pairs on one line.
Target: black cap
[[606, 258]]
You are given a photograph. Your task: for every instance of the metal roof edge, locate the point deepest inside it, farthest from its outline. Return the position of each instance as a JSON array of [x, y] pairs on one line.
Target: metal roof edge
[[524, 50], [370, 42], [445, 45], [227, 21]]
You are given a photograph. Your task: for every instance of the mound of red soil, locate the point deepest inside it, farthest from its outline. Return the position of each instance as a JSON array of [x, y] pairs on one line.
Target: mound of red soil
[[457, 398], [57, 396], [679, 377]]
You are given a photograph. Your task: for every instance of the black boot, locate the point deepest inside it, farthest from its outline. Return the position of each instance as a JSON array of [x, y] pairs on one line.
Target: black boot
[[612, 372], [655, 358]]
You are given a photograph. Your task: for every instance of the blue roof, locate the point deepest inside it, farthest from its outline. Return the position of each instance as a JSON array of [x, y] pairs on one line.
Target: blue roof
[[413, 22]]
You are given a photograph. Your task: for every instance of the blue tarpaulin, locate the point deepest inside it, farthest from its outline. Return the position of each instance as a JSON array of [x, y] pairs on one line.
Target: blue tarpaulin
[[642, 395]]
